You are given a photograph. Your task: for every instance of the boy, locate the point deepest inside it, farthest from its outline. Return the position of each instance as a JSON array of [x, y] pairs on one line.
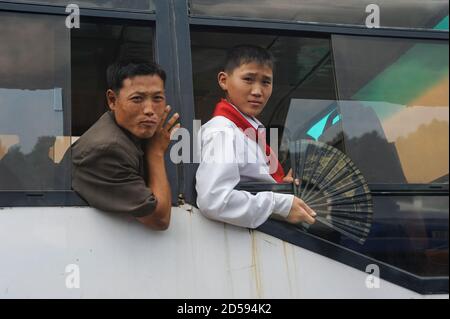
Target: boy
[[231, 153]]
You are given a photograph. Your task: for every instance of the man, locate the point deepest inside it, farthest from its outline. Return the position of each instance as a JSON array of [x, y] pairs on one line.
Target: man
[[118, 164]]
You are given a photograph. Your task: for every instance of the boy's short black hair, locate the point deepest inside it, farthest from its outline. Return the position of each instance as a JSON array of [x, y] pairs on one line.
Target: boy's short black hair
[[243, 54], [126, 69]]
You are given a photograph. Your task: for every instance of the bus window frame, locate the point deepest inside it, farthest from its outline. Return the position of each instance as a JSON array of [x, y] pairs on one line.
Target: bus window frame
[[69, 198]]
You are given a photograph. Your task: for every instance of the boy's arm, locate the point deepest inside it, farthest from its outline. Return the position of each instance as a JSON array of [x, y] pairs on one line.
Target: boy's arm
[[216, 182]]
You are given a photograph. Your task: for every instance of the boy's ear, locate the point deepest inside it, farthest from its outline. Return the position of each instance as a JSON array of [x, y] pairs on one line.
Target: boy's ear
[[222, 79], [111, 99]]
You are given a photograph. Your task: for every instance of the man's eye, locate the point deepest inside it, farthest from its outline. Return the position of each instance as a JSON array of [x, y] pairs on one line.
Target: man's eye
[[248, 79], [137, 99], [267, 82], [158, 99]]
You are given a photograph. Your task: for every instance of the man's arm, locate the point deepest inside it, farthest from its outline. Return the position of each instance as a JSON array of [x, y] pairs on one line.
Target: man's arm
[[108, 178], [156, 147], [159, 185]]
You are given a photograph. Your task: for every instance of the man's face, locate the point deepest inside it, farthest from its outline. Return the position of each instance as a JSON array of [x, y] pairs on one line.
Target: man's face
[[248, 87], [139, 105]]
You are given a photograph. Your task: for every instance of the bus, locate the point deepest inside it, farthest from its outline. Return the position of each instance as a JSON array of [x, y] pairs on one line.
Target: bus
[[367, 78]]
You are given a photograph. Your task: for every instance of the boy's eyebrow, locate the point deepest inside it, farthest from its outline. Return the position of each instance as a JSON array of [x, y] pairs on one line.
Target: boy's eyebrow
[[266, 77]]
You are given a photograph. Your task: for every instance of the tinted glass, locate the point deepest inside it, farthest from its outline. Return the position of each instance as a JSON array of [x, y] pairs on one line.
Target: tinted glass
[[138, 5], [428, 14], [394, 101], [303, 78], [94, 48], [408, 232], [34, 102]]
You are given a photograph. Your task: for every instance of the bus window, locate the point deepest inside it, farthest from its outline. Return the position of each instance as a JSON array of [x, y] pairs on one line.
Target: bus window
[[35, 100], [94, 47], [395, 109], [54, 92], [303, 81], [387, 110]]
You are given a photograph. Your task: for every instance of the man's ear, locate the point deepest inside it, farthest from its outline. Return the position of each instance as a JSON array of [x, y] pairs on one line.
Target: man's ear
[[222, 79], [111, 99]]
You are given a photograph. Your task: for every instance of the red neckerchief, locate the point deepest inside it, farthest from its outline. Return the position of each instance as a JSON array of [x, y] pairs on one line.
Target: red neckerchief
[[225, 109]]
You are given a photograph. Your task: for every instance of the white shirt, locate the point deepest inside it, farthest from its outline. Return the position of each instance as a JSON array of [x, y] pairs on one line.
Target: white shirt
[[229, 157]]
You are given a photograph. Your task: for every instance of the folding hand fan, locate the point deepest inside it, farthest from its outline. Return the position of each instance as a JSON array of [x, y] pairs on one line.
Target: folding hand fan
[[333, 187]]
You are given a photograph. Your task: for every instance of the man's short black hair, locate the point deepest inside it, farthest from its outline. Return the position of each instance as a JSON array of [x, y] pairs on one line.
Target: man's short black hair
[[127, 69], [243, 54]]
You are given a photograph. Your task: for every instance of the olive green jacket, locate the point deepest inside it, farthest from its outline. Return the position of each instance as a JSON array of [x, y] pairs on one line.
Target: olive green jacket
[[109, 170]]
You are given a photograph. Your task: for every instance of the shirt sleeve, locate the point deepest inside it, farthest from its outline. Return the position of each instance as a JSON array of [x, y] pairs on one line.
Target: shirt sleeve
[[217, 177], [108, 179]]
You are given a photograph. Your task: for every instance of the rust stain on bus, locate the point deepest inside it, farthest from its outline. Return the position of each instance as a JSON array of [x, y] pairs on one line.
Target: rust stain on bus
[[228, 259], [286, 259], [255, 266]]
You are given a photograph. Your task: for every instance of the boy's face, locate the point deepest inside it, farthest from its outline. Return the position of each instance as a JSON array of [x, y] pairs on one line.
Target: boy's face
[[248, 87], [139, 105]]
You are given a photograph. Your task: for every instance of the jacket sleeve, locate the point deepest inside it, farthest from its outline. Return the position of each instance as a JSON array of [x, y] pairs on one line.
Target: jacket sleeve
[[217, 177], [108, 179]]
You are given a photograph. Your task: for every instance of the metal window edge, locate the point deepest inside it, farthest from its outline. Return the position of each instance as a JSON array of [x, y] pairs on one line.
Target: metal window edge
[[318, 28], [85, 12], [376, 189], [13, 199]]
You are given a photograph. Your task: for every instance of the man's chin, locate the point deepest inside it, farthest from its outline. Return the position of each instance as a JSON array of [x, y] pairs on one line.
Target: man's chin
[[145, 135]]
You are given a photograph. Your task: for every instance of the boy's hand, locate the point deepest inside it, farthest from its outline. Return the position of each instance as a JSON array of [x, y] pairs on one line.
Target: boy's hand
[[159, 142], [289, 178], [300, 212]]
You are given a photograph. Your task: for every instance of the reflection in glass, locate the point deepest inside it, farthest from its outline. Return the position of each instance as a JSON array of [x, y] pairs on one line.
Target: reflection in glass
[[426, 14], [317, 120], [138, 5], [34, 102], [395, 108], [408, 232]]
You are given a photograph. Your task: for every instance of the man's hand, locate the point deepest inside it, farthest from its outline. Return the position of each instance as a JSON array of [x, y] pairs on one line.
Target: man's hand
[[157, 177], [300, 212], [158, 144]]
